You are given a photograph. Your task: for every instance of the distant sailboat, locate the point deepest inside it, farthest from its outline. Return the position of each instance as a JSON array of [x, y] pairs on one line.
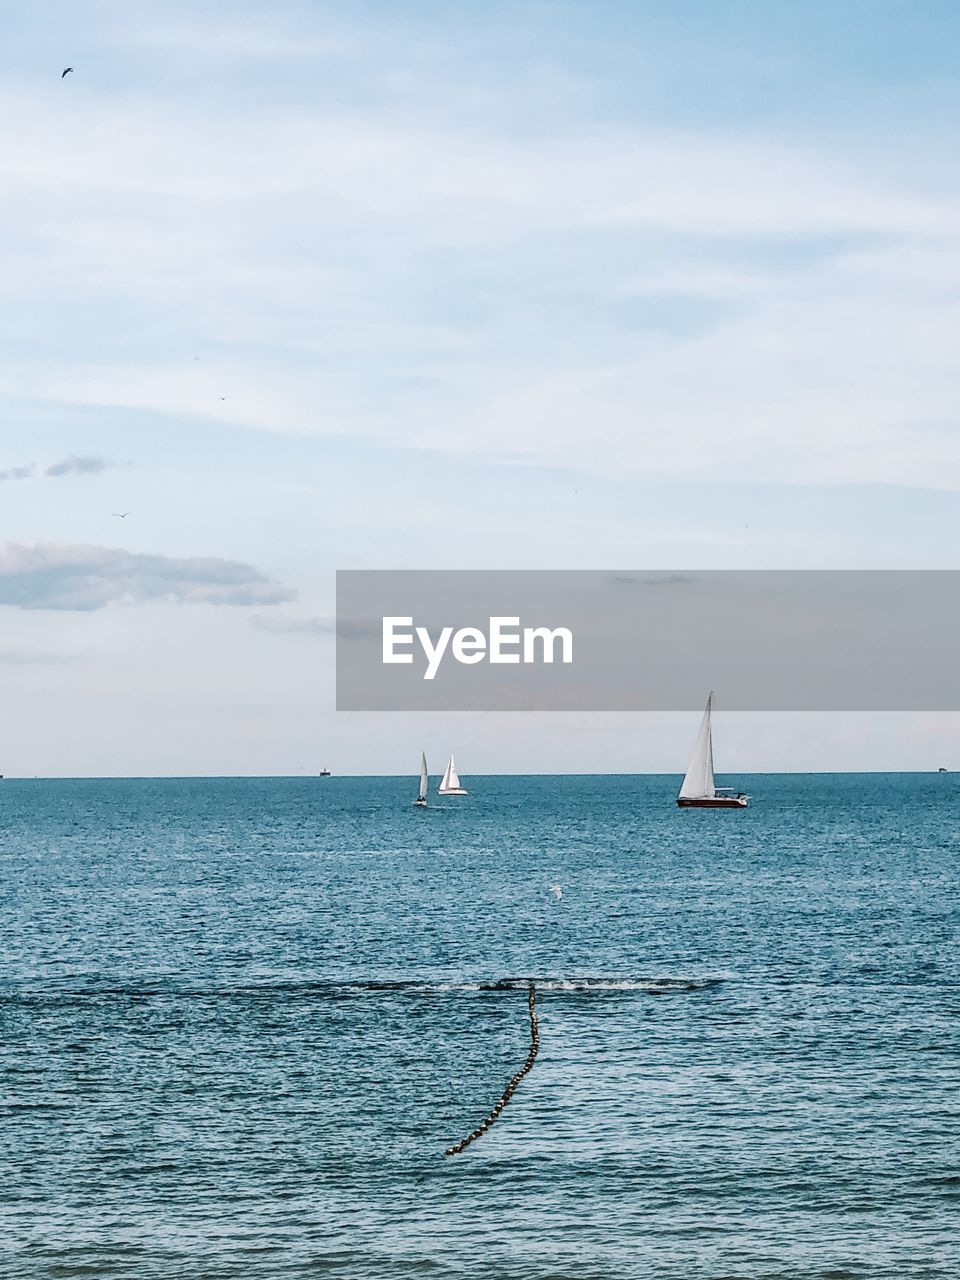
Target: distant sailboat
[[699, 790], [450, 783], [421, 799]]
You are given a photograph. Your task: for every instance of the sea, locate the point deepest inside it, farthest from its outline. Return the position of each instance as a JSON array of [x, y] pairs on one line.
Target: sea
[[241, 1020]]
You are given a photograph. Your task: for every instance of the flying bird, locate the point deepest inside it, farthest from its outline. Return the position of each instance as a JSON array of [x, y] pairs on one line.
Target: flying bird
[[66, 72], [557, 891], [121, 515]]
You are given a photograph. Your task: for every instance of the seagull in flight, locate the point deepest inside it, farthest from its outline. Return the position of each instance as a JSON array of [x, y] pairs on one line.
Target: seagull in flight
[[121, 515], [557, 891], [66, 72]]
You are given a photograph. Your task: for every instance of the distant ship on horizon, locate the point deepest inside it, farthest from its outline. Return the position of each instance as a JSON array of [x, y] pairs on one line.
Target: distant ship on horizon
[[324, 773]]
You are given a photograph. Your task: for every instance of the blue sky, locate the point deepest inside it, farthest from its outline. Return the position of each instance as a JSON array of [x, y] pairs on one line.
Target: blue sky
[[513, 285]]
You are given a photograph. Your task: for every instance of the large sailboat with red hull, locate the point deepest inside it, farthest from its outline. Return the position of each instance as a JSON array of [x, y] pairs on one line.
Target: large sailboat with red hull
[[699, 789]]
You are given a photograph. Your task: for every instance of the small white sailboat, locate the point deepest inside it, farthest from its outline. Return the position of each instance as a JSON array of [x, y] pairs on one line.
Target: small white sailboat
[[699, 789], [450, 782], [421, 800]]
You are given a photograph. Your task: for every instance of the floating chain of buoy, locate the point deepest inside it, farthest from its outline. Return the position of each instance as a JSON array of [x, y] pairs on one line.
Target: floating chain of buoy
[[511, 1088]]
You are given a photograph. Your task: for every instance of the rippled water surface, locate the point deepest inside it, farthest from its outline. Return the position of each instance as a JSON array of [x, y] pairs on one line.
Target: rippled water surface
[[242, 1019]]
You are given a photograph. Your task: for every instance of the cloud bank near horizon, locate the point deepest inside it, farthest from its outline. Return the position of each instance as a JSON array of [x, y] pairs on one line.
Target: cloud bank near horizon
[[54, 576]]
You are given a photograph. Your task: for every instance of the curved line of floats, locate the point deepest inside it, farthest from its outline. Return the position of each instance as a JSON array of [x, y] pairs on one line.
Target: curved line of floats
[[511, 1088]]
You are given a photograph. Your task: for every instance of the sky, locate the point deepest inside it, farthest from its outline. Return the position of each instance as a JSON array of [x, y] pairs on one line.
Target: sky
[[530, 285]]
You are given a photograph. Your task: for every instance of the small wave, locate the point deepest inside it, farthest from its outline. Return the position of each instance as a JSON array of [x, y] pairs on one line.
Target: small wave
[[418, 986], [171, 988], [655, 986]]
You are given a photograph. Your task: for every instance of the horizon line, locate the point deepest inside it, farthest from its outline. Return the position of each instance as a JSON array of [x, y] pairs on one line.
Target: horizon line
[[307, 777]]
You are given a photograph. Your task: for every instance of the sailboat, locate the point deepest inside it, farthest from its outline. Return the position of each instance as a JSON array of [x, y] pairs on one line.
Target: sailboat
[[450, 782], [699, 790], [421, 800]]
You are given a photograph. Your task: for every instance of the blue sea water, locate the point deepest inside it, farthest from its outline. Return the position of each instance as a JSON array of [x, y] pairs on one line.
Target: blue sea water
[[241, 1019]]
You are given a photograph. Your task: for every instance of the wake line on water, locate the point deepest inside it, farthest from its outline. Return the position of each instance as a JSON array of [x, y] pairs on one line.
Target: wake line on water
[[660, 986], [653, 986], [418, 986]]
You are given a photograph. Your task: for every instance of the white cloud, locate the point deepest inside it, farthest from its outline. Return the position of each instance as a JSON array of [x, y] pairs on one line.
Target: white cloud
[[83, 578]]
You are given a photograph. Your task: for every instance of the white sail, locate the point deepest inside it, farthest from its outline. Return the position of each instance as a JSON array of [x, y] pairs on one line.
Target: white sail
[[698, 783], [450, 783], [424, 777]]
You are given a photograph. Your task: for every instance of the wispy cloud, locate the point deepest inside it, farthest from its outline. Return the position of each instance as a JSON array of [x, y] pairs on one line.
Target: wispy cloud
[[696, 300], [34, 658], [297, 626], [773, 374], [345, 628], [85, 465], [90, 464], [84, 578]]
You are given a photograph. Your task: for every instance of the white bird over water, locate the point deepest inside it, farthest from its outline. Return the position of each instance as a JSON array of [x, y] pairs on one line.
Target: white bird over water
[[556, 890]]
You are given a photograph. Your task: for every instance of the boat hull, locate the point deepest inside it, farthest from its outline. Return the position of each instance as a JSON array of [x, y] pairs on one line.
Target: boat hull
[[712, 802], [452, 791]]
